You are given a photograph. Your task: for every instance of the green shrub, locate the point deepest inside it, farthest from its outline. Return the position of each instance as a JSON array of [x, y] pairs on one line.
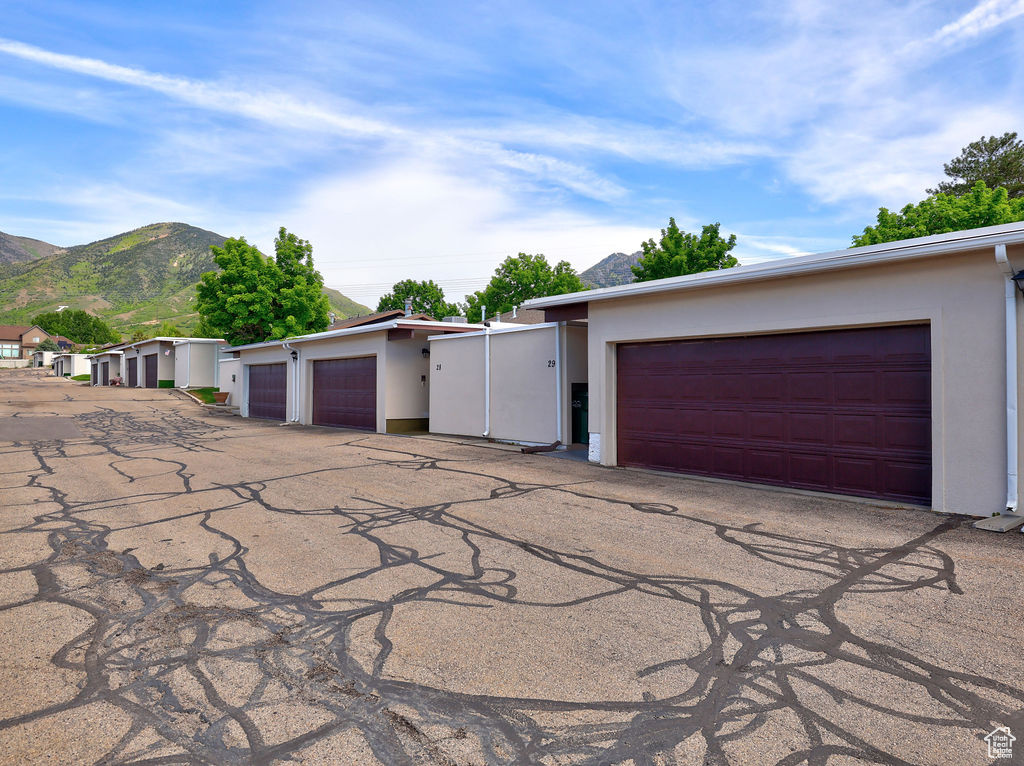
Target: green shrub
[[165, 384]]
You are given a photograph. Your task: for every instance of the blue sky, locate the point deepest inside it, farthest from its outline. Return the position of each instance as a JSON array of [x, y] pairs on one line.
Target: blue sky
[[431, 140]]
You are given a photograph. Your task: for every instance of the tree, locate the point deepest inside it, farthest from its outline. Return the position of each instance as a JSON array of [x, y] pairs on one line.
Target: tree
[[998, 161], [680, 252], [519, 278], [943, 213], [302, 306], [254, 298], [48, 344], [427, 298], [77, 326], [168, 330], [138, 334]]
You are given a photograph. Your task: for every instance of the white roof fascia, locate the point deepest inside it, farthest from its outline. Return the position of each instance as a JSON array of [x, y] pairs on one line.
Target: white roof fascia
[[183, 341], [495, 331], [889, 252], [416, 324]]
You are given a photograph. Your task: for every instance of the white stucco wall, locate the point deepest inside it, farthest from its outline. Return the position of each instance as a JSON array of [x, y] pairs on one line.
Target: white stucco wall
[[230, 379], [408, 379], [523, 405], [195, 364], [959, 295], [457, 385]]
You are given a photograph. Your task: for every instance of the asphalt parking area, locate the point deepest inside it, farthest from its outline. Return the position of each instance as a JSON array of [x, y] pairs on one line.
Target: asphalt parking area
[[181, 587]]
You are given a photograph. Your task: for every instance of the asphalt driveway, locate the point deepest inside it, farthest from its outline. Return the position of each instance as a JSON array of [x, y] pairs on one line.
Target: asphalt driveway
[[183, 587]]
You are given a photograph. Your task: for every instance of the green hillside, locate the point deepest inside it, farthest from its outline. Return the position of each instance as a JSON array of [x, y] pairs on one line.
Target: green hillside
[[143, 276]]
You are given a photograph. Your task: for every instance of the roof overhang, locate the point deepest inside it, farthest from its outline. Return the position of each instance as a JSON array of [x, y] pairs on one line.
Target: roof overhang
[[855, 257], [404, 329]]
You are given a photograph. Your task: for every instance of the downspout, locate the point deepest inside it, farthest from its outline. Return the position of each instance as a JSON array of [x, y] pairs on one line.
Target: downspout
[[1010, 296], [558, 381], [295, 381], [487, 381], [188, 365]]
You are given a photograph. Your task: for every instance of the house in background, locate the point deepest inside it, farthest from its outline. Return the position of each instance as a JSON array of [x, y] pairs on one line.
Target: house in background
[[374, 376], [889, 371], [519, 383], [20, 341]]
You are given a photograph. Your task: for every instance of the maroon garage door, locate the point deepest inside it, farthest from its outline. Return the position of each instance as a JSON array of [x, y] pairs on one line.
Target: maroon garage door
[[268, 391], [845, 411], [105, 373], [133, 372], [345, 393], [149, 366]]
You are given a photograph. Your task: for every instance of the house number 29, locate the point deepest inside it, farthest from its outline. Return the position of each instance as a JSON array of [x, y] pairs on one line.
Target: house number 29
[[551, 362]]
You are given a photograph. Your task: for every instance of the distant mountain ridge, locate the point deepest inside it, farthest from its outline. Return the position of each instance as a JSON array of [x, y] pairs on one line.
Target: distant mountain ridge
[[612, 270], [144, 276], [21, 249]]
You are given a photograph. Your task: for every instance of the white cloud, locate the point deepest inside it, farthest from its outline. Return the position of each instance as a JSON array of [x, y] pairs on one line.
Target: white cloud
[[418, 220], [985, 16]]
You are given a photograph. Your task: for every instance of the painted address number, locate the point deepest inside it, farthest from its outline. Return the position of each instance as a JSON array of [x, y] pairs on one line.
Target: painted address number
[[551, 362]]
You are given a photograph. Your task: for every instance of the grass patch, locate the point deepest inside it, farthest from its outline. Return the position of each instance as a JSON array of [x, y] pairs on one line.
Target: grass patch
[[165, 384], [206, 394], [87, 376]]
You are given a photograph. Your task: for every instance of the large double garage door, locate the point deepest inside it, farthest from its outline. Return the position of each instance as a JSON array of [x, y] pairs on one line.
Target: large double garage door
[[844, 411], [345, 393]]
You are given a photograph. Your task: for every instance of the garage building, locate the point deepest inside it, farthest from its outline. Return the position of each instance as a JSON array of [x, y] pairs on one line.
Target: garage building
[[373, 377], [886, 372]]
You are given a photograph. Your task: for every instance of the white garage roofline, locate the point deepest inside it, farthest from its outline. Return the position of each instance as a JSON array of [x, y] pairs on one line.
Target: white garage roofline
[[172, 341], [889, 252], [494, 331], [398, 324]]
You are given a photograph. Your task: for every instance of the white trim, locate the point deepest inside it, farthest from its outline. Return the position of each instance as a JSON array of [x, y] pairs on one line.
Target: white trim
[[398, 323], [890, 252], [494, 331], [1010, 298]]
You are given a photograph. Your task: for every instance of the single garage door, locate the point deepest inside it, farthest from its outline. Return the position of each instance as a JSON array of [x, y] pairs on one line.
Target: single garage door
[[844, 411], [345, 393], [149, 366], [133, 372], [95, 374], [268, 391], [105, 373]]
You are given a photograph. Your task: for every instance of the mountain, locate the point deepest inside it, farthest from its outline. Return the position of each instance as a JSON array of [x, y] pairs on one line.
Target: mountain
[[143, 276], [611, 271], [21, 249]]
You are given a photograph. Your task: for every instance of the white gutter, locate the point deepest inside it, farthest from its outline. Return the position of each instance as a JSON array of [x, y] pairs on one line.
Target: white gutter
[[890, 252], [487, 382], [188, 364], [558, 380], [1010, 297], [295, 381]]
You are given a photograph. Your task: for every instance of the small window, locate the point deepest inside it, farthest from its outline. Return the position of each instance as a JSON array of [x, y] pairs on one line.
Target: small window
[[35, 340]]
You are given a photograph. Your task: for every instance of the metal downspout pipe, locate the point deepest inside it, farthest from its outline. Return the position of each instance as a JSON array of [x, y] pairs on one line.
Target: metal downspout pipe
[[1010, 296], [295, 381], [487, 381], [558, 382]]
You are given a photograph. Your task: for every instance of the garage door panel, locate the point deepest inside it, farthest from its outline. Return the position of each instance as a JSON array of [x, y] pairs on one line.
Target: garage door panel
[[345, 393], [133, 372], [856, 431], [844, 411], [268, 391]]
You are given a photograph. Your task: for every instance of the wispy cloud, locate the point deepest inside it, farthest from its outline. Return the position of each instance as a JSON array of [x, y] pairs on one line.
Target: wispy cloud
[[985, 16]]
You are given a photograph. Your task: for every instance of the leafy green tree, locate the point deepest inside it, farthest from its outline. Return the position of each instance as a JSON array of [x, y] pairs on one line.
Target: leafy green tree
[[302, 306], [138, 334], [77, 326], [204, 330], [254, 298], [943, 213], [680, 252], [168, 330], [48, 344], [519, 278], [997, 161], [427, 298]]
